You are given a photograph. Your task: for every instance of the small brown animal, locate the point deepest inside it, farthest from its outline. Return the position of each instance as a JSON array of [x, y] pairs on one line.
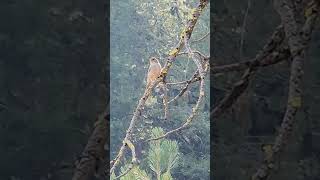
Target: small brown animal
[[154, 70]]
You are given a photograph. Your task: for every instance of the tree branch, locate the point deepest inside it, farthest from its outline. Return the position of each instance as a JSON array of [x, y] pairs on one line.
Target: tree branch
[[273, 58], [94, 152], [268, 50], [202, 72], [298, 38]]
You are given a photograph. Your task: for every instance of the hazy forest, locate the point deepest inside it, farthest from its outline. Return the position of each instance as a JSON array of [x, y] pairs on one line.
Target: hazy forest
[[251, 112], [153, 29]]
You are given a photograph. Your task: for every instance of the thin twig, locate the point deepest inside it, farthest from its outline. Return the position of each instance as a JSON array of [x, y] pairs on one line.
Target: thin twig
[[133, 159], [195, 78], [165, 100], [188, 82], [200, 39], [275, 57], [189, 119], [243, 28], [137, 112]]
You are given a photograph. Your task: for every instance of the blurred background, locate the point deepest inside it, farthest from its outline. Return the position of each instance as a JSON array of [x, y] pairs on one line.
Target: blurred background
[[52, 84], [241, 29]]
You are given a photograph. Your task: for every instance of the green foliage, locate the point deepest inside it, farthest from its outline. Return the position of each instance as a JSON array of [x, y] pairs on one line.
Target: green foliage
[[194, 170], [166, 176], [162, 154], [161, 159], [135, 173]]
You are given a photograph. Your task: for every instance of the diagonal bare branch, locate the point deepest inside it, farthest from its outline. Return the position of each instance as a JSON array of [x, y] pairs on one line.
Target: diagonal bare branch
[[270, 49]]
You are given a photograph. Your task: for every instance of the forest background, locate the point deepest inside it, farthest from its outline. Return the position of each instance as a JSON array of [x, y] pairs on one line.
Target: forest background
[[52, 71]]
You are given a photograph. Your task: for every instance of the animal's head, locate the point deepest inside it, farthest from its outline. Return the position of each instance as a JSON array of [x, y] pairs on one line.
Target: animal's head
[[153, 60]]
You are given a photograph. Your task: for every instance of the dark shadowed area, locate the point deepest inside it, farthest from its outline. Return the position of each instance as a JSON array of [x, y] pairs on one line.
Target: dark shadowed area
[[52, 84], [245, 132]]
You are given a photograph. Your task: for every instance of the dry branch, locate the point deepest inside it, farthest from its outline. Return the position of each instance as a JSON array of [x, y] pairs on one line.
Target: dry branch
[[202, 72], [94, 152], [298, 38], [194, 78], [187, 83], [272, 50], [189, 119], [137, 112], [275, 57], [133, 160], [237, 89], [165, 101]]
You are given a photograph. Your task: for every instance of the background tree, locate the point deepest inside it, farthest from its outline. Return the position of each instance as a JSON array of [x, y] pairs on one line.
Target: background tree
[[258, 116]]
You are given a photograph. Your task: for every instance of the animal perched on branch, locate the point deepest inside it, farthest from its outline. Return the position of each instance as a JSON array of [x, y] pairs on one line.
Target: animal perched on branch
[[154, 70], [153, 73]]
